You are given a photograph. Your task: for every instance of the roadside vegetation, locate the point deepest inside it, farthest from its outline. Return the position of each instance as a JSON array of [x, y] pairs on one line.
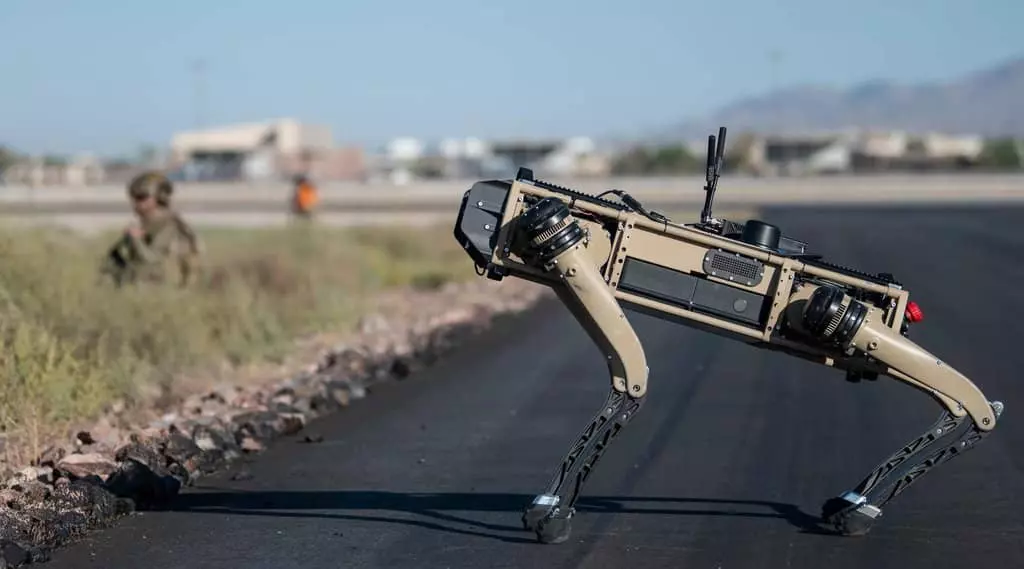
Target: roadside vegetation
[[74, 345]]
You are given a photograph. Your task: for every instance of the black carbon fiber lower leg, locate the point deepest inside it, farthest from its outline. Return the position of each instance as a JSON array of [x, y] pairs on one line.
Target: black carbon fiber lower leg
[[854, 512], [944, 428], [550, 512]]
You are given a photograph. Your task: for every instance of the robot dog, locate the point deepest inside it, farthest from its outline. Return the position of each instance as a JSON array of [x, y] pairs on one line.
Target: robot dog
[[744, 281]]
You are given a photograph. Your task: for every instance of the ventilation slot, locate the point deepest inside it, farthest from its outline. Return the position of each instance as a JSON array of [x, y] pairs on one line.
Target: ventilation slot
[[733, 267]]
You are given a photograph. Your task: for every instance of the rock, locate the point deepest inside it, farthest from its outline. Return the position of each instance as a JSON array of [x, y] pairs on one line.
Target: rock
[[30, 491], [282, 408], [149, 433], [136, 481], [208, 440], [373, 324], [193, 405], [324, 402], [287, 399], [286, 387], [250, 444], [91, 480], [52, 455], [356, 391], [30, 474], [233, 454], [193, 460], [215, 397], [106, 435], [180, 447], [157, 426], [140, 451], [8, 497], [242, 475], [83, 465], [12, 555], [402, 367], [179, 472], [211, 408], [305, 406], [292, 423], [215, 437], [45, 474], [90, 499], [260, 425]]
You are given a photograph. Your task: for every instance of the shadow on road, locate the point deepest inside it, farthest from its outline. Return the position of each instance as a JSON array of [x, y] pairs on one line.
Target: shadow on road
[[436, 507]]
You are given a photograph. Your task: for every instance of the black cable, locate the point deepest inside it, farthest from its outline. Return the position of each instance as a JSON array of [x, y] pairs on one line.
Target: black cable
[[636, 206]]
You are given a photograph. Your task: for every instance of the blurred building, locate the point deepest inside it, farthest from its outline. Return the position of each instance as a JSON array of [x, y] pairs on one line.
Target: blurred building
[[813, 153], [271, 150], [572, 157], [401, 158], [405, 159], [899, 150], [467, 158], [82, 170], [575, 157], [860, 151]]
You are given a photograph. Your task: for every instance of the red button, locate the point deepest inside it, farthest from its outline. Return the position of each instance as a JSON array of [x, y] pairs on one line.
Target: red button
[[914, 313]]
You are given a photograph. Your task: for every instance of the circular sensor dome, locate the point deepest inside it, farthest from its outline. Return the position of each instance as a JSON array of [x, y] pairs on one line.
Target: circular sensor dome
[[761, 234]]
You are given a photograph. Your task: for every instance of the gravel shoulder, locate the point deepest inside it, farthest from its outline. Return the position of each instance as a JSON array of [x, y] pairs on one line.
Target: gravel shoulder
[[125, 464]]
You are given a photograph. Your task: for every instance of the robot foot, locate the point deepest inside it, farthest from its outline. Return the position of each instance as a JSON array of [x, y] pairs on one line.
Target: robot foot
[[542, 506], [555, 528], [849, 514]]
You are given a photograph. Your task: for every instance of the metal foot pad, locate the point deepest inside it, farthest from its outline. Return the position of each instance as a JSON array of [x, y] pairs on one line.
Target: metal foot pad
[[541, 507], [849, 514], [555, 527]]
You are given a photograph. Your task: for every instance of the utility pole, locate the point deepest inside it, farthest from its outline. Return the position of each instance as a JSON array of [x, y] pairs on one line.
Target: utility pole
[[774, 59], [199, 90]]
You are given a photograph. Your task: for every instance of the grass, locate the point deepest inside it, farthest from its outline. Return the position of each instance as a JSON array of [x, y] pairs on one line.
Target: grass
[[72, 344]]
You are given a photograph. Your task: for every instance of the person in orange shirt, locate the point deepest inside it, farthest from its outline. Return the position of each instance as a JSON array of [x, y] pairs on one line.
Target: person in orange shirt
[[304, 197]]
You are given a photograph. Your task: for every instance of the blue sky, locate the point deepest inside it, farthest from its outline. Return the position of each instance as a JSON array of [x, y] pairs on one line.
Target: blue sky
[[107, 75]]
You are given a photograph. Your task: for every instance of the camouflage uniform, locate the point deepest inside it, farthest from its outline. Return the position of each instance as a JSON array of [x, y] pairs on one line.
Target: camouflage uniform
[[167, 243]]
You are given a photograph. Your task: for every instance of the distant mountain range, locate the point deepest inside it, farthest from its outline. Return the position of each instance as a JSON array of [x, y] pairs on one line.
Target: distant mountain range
[[988, 102]]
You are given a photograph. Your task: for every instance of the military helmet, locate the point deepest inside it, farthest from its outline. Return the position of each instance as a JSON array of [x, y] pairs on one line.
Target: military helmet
[[151, 183]]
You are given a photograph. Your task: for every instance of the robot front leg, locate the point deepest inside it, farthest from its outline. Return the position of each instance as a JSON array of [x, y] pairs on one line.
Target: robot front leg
[[550, 513], [555, 240]]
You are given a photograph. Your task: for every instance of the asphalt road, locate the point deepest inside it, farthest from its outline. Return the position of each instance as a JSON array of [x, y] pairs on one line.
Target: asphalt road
[[724, 467]]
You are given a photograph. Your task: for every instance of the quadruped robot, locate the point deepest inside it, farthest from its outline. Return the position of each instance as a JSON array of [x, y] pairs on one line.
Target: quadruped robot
[[743, 281]]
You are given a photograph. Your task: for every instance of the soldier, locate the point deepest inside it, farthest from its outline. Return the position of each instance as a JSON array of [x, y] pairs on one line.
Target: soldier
[[160, 243], [304, 197]]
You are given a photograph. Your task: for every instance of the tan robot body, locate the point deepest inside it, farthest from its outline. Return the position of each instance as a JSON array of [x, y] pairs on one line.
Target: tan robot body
[[742, 281]]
